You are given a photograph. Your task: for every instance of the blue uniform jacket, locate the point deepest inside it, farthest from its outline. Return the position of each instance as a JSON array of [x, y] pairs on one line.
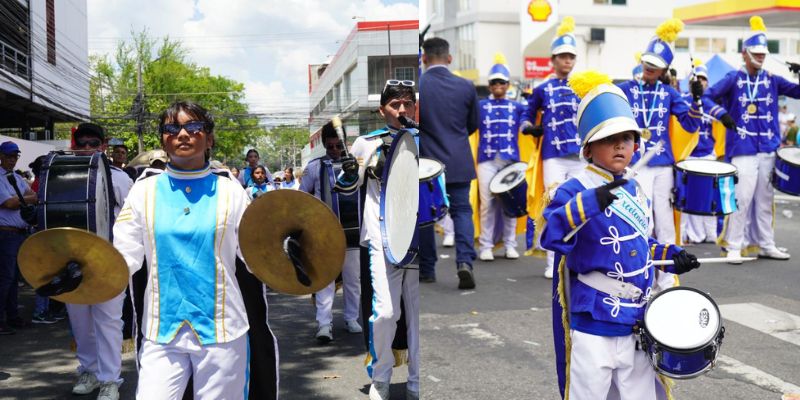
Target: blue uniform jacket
[[500, 123], [711, 112], [607, 243], [759, 132], [559, 106], [448, 115], [652, 105]]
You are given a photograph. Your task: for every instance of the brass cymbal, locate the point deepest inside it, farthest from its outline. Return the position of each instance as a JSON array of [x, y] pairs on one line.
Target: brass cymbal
[[270, 219], [44, 254]]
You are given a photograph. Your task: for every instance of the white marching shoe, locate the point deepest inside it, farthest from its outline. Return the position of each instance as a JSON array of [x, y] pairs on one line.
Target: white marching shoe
[[734, 257], [511, 253], [325, 333], [486, 255], [773, 253], [548, 272], [353, 326], [449, 241], [379, 391]]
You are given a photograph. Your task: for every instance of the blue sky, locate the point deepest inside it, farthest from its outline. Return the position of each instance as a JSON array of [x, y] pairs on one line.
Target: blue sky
[[267, 45]]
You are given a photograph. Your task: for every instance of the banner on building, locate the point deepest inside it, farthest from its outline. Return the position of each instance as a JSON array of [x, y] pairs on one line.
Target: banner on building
[[537, 67]]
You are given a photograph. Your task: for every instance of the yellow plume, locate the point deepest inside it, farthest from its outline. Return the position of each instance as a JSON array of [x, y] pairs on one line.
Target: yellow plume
[[583, 82], [757, 24], [499, 58], [668, 30], [638, 57], [697, 63], [567, 26]]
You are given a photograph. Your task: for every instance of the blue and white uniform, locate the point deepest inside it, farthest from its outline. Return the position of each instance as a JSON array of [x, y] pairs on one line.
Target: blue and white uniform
[[389, 282], [613, 244], [751, 148], [497, 148], [652, 106], [256, 190], [312, 182], [185, 225]]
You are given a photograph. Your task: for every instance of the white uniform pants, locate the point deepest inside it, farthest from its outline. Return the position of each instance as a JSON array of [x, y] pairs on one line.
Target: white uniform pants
[[657, 183], [558, 170], [597, 361], [699, 228], [754, 194], [447, 226], [490, 205], [219, 370], [98, 335], [351, 271], [389, 283]]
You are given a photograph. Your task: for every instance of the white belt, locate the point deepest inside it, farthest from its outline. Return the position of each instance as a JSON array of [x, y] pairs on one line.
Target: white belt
[[600, 282]]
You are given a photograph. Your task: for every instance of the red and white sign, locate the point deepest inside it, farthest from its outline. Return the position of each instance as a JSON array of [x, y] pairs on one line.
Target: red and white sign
[[537, 67]]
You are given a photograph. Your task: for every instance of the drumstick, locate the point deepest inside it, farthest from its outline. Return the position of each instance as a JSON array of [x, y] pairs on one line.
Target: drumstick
[[628, 175], [711, 260], [337, 125]]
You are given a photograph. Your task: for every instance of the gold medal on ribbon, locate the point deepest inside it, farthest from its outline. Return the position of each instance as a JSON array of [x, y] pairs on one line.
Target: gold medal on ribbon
[[751, 108], [646, 134]]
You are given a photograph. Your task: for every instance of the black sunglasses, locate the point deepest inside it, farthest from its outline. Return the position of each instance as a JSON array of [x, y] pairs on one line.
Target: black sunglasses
[[338, 146], [193, 127], [497, 82], [88, 142]]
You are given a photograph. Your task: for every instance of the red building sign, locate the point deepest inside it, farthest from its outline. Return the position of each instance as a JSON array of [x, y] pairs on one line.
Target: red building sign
[[537, 67]]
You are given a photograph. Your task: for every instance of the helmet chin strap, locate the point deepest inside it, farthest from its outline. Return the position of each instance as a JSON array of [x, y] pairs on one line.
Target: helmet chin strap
[[757, 65]]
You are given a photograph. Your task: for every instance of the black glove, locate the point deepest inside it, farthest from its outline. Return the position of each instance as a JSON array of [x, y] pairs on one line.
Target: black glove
[[604, 195], [794, 67], [349, 166], [673, 73], [697, 89], [685, 262], [728, 122], [28, 214], [66, 281], [533, 130]]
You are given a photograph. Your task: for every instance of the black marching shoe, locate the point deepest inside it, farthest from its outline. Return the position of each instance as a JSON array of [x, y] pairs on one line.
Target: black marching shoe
[[465, 278]]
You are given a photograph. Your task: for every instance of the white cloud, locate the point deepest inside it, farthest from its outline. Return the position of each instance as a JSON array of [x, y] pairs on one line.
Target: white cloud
[[268, 45]]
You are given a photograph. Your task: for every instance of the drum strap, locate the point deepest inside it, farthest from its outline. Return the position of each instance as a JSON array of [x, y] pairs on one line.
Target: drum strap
[[613, 287]]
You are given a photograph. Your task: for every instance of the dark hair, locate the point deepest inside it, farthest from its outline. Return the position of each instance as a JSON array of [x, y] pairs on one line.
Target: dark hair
[[436, 47], [391, 92], [252, 151], [116, 146], [194, 110], [90, 129], [252, 171], [329, 132], [36, 165]]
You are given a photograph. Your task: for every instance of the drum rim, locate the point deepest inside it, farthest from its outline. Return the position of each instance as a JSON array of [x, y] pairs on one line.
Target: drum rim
[[498, 173], [735, 172], [646, 331], [434, 176], [778, 155], [411, 253]]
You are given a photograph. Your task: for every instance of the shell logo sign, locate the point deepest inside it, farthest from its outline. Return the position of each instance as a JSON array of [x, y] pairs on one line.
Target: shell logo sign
[[539, 10]]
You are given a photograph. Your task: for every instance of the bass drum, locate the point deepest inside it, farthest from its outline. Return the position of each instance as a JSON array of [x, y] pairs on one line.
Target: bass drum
[[400, 200], [76, 192]]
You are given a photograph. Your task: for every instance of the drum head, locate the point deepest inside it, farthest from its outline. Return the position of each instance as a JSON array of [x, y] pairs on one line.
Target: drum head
[[429, 168], [103, 209], [508, 178], [790, 155], [400, 199], [707, 167], [682, 318]]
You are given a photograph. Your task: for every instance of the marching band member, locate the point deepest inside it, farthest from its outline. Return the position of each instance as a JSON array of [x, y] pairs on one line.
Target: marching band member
[[316, 170], [184, 223], [500, 120], [97, 328], [653, 102], [390, 282], [611, 250], [751, 96], [560, 143], [258, 182], [698, 228]]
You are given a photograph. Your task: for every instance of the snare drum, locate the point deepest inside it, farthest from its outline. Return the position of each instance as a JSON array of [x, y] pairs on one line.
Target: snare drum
[[682, 332], [75, 191], [704, 187], [400, 200], [786, 175], [510, 186], [433, 202]]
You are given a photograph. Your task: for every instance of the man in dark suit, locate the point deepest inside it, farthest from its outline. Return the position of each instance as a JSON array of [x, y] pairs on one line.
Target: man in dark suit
[[448, 115]]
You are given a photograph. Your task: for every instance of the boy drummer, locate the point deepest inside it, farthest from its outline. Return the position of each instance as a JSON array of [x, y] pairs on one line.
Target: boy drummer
[[611, 251]]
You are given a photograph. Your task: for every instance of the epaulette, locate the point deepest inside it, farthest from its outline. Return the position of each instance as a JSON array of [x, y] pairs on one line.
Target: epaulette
[[377, 133]]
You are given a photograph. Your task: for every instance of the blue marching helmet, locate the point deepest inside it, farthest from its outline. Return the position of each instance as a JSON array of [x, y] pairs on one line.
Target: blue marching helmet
[[756, 41], [499, 70], [700, 70], [604, 109], [659, 51], [564, 41]]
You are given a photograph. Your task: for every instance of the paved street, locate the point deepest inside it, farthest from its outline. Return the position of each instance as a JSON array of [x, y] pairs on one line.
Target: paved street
[[496, 341], [36, 363]]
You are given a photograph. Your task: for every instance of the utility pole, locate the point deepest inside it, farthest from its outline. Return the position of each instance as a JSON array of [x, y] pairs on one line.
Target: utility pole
[[389, 37], [139, 105]]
